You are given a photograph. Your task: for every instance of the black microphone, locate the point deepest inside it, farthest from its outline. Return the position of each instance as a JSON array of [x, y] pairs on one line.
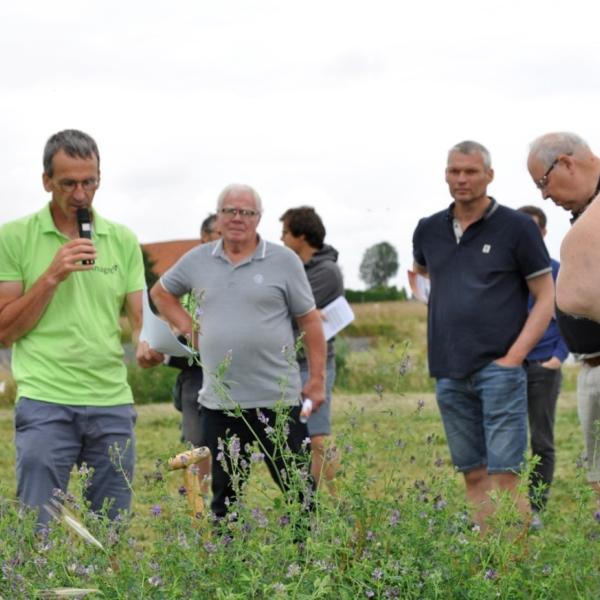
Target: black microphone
[[85, 228]]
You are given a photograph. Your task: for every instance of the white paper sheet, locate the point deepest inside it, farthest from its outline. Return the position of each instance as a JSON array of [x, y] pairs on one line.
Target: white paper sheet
[[419, 286], [158, 334], [338, 314]]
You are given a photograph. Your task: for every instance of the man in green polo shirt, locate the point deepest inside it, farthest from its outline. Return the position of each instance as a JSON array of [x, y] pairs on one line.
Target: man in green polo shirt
[[60, 300]]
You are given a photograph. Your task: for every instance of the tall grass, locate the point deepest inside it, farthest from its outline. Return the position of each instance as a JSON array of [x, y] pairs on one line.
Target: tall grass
[[398, 527]]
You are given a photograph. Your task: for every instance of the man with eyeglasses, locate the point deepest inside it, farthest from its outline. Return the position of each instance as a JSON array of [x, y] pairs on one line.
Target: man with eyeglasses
[[565, 170], [61, 297], [247, 292], [482, 260]]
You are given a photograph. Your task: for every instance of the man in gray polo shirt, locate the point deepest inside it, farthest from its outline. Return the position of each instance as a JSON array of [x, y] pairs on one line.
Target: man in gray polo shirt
[[247, 291]]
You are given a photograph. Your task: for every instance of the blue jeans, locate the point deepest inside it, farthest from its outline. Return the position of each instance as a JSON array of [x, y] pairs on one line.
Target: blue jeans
[[485, 418]]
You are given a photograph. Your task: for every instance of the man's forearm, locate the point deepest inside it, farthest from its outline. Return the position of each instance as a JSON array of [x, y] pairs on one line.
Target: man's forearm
[[20, 313], [314, 343], [170, 308], [537, 321]]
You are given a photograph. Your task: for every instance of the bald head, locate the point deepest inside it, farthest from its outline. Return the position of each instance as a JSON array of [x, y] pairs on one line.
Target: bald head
[[564, 169], [549, 146]]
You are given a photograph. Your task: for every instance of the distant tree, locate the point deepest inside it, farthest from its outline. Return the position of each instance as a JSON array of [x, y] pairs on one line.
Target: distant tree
[[149, 274], [379, 263]]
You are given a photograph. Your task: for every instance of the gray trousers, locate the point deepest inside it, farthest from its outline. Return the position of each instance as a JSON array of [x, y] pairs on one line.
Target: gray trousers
[[50, 438], [543, 387], [588, 407], [185, 393]]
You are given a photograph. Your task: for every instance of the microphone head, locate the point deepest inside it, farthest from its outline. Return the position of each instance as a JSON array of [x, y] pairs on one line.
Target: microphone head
[[83, 215]]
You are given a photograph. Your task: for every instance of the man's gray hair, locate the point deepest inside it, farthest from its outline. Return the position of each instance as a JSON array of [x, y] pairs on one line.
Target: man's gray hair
[[233, 189], [470, 147], [548, 147], [73, 143]]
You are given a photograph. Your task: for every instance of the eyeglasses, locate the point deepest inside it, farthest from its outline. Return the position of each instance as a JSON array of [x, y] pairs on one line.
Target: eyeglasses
[[542, 182], [69, 185], [246, 213]]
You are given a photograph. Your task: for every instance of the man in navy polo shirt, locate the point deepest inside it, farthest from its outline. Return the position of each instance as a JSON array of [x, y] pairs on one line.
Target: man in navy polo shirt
[[483, 260]]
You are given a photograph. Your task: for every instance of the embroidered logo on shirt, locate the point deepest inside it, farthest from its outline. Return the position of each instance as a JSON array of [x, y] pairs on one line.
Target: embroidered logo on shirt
[[106, 270], [258, 278], [486, 248]]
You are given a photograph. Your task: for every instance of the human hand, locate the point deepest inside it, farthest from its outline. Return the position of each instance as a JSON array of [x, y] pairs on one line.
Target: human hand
[[553, 363], [147, 357], [69, 259], [315, 390], [508, 362]]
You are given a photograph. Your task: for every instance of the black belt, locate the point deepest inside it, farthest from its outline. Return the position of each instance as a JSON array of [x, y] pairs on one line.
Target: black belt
[[538, 361], [594, 361]]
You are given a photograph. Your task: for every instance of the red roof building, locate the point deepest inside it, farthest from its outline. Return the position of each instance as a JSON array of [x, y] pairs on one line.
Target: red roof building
[[166, 254]]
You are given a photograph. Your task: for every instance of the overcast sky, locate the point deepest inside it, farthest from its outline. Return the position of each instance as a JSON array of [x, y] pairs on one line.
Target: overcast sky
[[346, 106]]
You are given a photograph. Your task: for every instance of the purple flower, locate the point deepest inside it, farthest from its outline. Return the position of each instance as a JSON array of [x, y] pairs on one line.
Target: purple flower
[[284, 520], [377, 574], [490, 574], [260, 517], [394, 517], [439, 503], [369, 593], [155, 580], [256, 457], [597, 516], [156, 510], [370, 535], [293, 570], [210, 547], [262, 417], [234, 448], [182, 490]]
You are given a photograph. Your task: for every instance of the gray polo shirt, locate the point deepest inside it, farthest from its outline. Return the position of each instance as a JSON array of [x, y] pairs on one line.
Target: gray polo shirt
[[245, 316]]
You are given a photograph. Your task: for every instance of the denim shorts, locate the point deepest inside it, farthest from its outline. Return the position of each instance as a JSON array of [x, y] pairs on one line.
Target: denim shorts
[[319, 422], [485, 418]]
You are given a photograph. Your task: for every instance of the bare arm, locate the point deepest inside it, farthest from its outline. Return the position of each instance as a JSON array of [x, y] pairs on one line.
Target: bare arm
[[316, 353], [20, 312], [170, 308], [542, 290], [145, 356], [578, 284]]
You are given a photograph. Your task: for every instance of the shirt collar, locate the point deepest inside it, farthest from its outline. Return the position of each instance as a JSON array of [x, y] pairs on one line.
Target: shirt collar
[[259, 252], [99, 225], [489, 211]]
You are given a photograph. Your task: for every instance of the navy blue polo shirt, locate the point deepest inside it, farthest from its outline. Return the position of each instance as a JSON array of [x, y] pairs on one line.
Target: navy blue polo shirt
[[478, 300]]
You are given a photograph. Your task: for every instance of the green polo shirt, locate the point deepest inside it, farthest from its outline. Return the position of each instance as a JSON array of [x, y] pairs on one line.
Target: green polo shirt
[[73, 355]]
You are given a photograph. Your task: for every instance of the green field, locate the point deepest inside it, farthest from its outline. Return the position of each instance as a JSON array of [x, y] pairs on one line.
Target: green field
[[398, 527]]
